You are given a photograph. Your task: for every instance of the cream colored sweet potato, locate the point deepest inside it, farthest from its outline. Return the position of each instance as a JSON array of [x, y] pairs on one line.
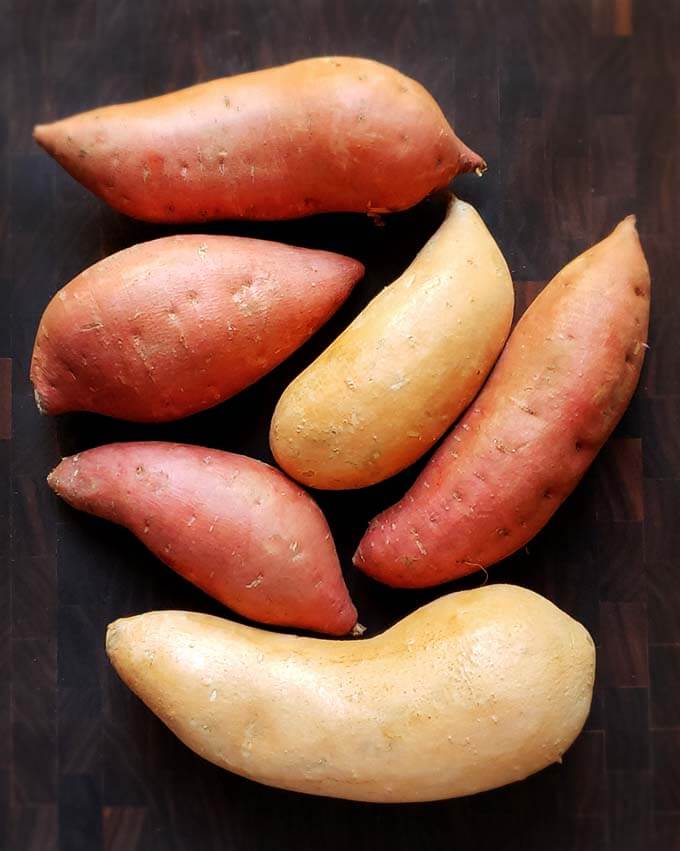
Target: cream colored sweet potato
[[323, 134], [392, 383], [561, 385], [173, 326], [472, 691], [234, 526]]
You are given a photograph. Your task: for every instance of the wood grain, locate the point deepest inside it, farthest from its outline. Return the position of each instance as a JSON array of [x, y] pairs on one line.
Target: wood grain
[[576, 106]]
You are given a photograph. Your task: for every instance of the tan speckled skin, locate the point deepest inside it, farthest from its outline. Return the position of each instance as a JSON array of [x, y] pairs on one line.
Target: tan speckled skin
[[473, 691], [170, 327], [237, 528], [391, 384], [319, 135], [561, 385]]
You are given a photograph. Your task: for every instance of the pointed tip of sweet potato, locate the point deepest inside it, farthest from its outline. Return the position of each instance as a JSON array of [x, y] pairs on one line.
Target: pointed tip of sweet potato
[[55, 478], [44, 136]]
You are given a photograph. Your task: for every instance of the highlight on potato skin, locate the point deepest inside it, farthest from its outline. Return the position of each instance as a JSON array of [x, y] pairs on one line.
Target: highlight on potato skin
[[170, 327], [328, 134], [473, 691], [399, 375], [564, 380], [235, 527]]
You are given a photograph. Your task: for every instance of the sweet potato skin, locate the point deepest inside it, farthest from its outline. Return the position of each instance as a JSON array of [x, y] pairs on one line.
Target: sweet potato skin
[[319, 135], [234, 526], [562, 383], [171, 327], [400, 374]]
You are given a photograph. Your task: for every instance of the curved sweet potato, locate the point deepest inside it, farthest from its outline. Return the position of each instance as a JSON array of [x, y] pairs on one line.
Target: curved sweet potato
[[237, 528], [173, 326], [320, 135], [565, 378], [384, 392], [474, 690]]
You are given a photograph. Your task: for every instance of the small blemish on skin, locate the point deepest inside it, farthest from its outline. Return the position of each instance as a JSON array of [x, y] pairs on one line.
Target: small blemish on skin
[[227, 102], [502, 533], [146, 527], [139, 470], [255, 583], [146, 171], [184, 171], [639, 291], [547, 494], [421, 547], [213, 696], [202, 250]]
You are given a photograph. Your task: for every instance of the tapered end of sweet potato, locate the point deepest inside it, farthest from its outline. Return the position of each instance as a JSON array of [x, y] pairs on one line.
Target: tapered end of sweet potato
[[42, 135], [469, 160], [47, 399], [48, 137], [59, 477]]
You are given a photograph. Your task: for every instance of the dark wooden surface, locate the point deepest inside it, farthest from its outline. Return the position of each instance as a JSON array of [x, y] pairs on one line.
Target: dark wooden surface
[[575, 104]]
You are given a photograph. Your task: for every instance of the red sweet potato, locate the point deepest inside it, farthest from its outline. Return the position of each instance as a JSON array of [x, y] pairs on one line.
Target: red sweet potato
[[320, 135], [173, 326], [562, 383], [237, 528]]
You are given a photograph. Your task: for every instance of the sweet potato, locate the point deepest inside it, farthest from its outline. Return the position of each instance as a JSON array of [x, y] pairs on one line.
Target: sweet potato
[[565, 378], [392, 383], [234, 526], [470, 692], [320, 135], [173, 326]]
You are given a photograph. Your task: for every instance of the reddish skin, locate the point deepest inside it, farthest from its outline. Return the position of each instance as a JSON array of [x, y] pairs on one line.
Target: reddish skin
[[237, 528], [320, 135], [170, 327], [561, 385]]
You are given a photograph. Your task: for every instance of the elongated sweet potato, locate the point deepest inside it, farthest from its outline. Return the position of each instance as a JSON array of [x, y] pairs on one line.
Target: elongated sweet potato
[[392, 383], [474, 690], [237, 528], [565, 378], [320, 135], [173, 326]]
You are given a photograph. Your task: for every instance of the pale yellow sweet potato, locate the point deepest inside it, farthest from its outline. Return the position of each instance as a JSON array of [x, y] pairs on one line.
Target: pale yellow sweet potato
[[392, 383], [474, 690]]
